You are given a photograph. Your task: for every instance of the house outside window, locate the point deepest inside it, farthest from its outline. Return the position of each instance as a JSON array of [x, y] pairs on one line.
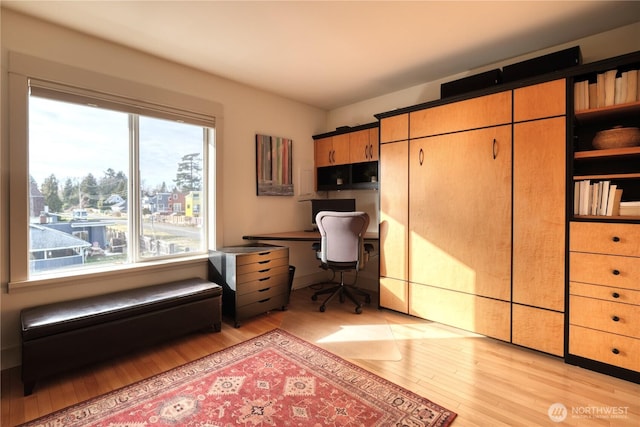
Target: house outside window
[[108, 157]]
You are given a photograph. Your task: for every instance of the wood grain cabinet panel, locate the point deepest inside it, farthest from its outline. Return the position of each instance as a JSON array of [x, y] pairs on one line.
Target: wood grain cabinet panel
[[460, 216], [539, 218], [394, 128], [363, 146], [605, 238], [538, 328], [617, 350], [484, 111], [605, 316], [609, 270], [538, 101], [394, 294]]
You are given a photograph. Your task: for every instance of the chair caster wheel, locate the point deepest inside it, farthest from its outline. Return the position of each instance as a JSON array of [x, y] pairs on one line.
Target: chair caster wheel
[[314, 297], [322, 308], [358, 310]]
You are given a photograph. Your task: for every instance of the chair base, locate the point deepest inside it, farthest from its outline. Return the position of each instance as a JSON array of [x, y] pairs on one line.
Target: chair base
[[343, 291]]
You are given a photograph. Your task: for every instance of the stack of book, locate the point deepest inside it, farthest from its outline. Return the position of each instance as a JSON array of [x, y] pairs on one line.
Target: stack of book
[[630, 208], [610, 88], [596, 198]]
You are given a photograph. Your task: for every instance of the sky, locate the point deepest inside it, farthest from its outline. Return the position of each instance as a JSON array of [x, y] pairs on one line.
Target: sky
[[72, 140]]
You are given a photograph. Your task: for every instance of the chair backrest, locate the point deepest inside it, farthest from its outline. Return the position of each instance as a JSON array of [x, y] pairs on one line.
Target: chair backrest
[[342, 236]]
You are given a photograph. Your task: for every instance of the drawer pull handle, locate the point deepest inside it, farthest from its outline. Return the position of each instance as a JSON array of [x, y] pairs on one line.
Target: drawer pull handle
[[264, 253], [616, 239], [615, 295], [616, 272], [264, 271], [264, 290], [615, 318], [264, 300], [615, 351], [264, 278], [266, 261]]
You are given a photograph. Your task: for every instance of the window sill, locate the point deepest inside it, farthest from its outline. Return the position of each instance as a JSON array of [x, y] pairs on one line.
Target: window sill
[[83, 277]]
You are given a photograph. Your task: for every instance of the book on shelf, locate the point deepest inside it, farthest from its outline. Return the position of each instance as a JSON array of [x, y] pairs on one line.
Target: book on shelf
[[609, 88], [630, 208], [599, 198]]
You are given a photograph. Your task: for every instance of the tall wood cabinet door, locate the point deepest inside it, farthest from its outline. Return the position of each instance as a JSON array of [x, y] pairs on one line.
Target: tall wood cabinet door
[[460, 211], [539, 194], [394, 204]]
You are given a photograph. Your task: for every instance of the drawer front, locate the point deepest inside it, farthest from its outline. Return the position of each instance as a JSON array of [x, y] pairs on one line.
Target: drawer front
[[538, 329], [263, 265], [605, 238], [604, 347], [275, 302], [608, 293], [263, 274], [269, 254], [484, 316], [617, 318], [272, 281], [483, 111], [262, 293], [617, 271]]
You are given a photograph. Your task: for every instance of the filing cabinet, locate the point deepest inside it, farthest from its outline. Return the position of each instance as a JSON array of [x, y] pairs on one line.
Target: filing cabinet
[[254, 278]]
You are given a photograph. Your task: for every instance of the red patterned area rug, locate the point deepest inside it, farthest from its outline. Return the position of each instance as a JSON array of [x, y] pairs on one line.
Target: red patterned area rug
[[275, 379]]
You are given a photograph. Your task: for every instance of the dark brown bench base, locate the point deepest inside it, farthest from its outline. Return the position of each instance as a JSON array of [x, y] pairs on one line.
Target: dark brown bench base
[[69, 334]]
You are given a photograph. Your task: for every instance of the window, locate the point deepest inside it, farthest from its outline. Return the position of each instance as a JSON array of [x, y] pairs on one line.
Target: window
[[98, 181]]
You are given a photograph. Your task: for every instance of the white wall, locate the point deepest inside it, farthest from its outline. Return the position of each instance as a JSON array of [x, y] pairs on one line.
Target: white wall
[[600, 46]]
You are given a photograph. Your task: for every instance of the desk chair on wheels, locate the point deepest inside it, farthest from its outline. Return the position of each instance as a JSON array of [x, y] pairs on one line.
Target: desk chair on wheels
[[342, 249]]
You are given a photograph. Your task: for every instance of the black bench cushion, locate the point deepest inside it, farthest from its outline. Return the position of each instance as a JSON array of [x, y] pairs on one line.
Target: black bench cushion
[[64, 316]]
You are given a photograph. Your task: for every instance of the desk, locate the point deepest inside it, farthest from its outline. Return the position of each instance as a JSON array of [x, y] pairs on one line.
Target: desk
[[300, 236]]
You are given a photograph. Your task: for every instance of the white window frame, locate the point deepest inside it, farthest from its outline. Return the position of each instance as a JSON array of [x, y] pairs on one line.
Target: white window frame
[[24, 69]]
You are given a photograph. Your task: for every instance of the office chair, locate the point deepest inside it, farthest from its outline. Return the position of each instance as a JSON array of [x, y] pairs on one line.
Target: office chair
[[342, 249]]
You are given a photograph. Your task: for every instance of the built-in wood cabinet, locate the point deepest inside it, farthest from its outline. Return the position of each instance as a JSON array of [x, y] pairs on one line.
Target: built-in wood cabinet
[[539, 216], [347, 158]]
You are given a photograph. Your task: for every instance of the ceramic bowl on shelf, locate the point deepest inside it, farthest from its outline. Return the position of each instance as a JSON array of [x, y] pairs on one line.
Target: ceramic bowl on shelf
[[618, 137]]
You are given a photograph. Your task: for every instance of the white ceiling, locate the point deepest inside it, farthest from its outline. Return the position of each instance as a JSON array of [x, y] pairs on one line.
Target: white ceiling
[[333, 53]]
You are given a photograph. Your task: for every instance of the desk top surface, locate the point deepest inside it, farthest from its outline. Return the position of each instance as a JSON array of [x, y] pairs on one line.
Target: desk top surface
[[300, 236]]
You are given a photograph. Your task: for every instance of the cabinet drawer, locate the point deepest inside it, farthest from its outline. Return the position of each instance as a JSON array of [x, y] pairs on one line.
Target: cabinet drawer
[[617, 318], [394, 128], [604, 347], [625, 296], [263, 274], [262, 257], [270, 281], [538, 329], [617, 271], [605, 238], [263, 265], [264, 292], [483, 111], [484, 316], [262, 306], [538, 101]]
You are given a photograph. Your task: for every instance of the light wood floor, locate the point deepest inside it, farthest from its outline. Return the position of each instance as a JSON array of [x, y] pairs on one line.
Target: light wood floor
[[487, 382]]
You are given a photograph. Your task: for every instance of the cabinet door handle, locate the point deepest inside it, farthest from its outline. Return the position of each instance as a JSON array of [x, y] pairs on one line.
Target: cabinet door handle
[[615, 318], [494, 148], [421, 157], [615, 351], [616, 239], [366, 152], [616, 272], [615, 295]]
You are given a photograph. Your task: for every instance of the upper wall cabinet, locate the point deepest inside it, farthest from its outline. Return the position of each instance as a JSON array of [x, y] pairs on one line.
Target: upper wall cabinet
[[347, 158]]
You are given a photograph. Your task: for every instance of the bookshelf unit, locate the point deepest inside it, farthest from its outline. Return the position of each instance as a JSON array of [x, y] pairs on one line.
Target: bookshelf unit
[[603, 315]]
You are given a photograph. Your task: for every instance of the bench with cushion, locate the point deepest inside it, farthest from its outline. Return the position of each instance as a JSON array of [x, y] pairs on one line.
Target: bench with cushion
[[64, 335]]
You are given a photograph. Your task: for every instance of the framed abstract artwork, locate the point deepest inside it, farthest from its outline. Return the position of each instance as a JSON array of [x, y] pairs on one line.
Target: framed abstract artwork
[[274, 166]]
